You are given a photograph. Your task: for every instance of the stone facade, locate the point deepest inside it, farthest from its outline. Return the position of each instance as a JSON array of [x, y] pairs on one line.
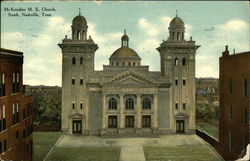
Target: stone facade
[[125, 98]]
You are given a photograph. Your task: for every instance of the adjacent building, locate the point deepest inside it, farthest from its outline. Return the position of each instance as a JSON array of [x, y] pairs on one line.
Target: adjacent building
[[234, 103], [15, 109], [125, 98]]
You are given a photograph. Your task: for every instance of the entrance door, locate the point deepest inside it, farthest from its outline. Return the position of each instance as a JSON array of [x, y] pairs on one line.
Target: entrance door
[[180, 126], [77, 127]]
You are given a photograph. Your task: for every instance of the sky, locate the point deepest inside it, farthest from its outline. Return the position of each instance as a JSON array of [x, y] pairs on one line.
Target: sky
[[211, 24]]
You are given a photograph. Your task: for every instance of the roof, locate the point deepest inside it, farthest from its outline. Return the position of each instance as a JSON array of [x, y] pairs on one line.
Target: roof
[[12, 52], [79, 20], [124, 52], [176, 21]]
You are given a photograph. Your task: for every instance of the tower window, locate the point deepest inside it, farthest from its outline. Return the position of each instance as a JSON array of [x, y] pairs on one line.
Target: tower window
[[184, 106], [123, 63], [2, 84], [73, 106], [81, 60], [73, 81], [73, 61], [178, 35], [176, 105], [184, 61], [134, 63], [81, 81], [184, 82], [117, 63], [176, 82], [78, 35], [176, 62], [129, 63], [81, 106]]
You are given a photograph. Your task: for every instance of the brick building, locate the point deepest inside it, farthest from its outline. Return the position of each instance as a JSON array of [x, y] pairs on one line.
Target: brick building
[[15, 109], [234, 103]]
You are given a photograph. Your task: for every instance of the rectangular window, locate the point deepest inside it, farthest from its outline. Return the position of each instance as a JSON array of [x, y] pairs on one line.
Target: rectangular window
[[5, 145], [81, 106], [13, 114], [17, 134], [4, 118], [1, 149], [24, 113], [184, 82], [73, 81], [245, 87], [73, 106], [230, 113], [146, 121], [176, 105], [244, 116], [112, 122], [230, 87], [129, 121], [2, 84], [17, 112], [81, 81], [24, 133], [230, 141], [176, 82]]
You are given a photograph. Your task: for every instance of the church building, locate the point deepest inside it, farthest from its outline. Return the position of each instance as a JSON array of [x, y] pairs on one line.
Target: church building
[[126, 98]]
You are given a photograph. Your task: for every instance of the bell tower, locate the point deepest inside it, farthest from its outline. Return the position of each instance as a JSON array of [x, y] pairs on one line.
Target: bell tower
[[78, 54], [177, 58]]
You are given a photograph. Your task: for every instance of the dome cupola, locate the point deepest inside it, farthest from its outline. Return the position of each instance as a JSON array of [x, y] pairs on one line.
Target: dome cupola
[[176, 29], [124, 56], [79, 27]]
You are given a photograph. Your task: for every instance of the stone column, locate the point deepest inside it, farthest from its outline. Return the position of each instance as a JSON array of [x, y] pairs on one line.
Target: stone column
[[155, 119], [138, 111], [104, 119], [121, 112]]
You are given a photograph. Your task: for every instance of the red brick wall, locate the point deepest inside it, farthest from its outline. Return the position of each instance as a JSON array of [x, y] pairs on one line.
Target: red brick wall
[[237, 68], [17, 148]]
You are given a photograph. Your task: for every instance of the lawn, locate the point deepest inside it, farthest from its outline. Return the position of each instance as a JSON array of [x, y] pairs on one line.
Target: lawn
[[42, 143], [180, 153], [84, 154], [211, 130]]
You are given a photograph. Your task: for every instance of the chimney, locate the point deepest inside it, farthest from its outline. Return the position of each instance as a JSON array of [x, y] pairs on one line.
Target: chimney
[[226, 52]]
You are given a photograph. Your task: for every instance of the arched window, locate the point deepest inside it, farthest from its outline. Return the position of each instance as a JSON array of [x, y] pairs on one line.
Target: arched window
[[78, 35], [129, 64], [129, 104], [182, 36], [123, 63], [176, 62], [178, 35], [73, 60], [184, 61], [172, 35], [112, 104], [134, 63], [146, 103], [117, 63]]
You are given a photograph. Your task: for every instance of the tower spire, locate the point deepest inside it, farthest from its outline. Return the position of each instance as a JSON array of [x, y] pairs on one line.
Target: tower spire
[[176, 13], [79, 11], [124, 31]]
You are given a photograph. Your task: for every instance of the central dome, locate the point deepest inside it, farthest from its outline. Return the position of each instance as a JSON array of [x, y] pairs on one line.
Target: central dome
[[124, 52], [79, 20]]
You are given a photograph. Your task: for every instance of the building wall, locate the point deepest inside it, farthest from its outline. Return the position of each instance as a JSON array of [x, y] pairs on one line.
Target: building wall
[[236, 68], [19, 135]]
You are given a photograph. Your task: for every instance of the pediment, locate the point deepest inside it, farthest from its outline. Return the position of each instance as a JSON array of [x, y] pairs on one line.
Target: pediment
[[130, 78]]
